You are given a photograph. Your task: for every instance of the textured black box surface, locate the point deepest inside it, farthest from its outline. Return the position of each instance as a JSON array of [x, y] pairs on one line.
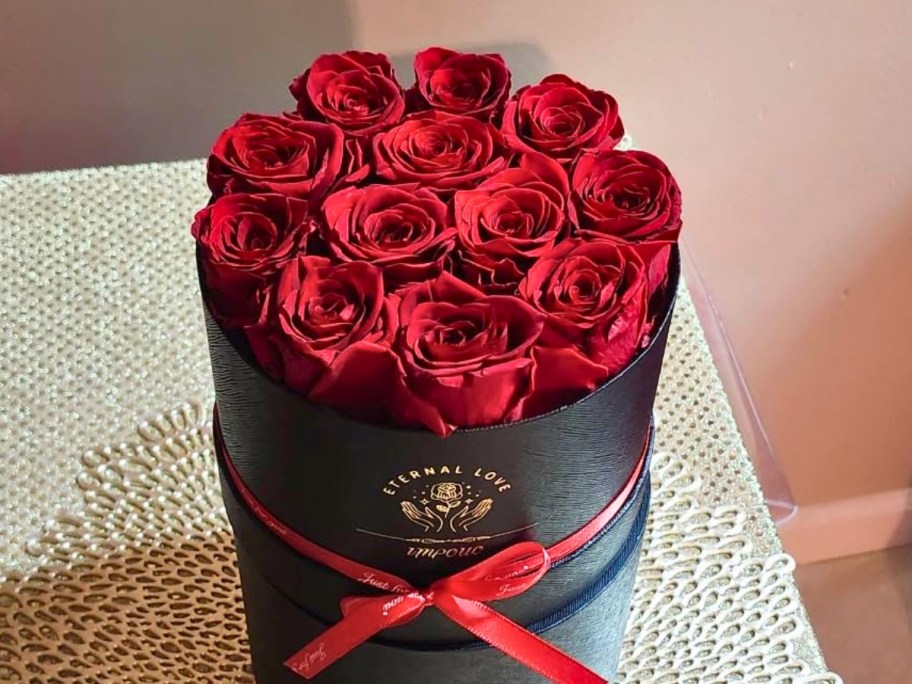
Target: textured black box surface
[[321, 589]]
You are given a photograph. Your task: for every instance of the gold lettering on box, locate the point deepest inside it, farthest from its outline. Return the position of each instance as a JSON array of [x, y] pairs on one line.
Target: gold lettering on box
[[443, 552], [443, 503]]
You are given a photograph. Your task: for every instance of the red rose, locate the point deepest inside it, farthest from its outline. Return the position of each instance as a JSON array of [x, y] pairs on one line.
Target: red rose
[[508, 221], [357, 91], [243, 241], [461, 83], [287, 155], [561, 118], [403, 229], [324, 309], [630, 195], [465, 353], [441, 151], [595, 299]]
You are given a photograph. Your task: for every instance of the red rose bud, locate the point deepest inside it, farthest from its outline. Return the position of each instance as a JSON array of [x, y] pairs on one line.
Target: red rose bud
[[508, 221], [403, 229], [595, 298], [465, 353], [440, 151], [357, 91], [287, 155], [630, 195], [243, 241], [561, 118], [475, 85], [324, 309]]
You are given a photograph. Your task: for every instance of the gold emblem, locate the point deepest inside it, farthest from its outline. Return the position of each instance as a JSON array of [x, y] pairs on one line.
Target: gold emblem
[[452, 510], [444, 501]]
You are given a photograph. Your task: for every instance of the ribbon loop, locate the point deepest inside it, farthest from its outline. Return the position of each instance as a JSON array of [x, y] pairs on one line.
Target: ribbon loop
[[506, 574], [363, 617]]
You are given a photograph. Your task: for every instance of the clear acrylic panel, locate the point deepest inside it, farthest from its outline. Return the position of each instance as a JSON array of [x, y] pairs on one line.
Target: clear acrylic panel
[[775, 485]]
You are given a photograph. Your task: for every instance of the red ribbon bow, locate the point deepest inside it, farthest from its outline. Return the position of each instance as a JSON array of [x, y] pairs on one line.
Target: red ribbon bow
[[461, 597]]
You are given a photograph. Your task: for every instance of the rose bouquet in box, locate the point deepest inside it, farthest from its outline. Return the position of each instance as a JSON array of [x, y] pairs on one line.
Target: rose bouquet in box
[[384, 267], [475, 258]]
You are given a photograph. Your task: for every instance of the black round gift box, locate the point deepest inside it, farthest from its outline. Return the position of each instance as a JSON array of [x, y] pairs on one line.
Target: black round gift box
[[353, 488], [372, 493]]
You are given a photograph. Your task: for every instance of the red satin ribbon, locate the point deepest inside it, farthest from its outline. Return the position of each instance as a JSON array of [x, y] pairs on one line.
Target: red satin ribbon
[[461, 597]]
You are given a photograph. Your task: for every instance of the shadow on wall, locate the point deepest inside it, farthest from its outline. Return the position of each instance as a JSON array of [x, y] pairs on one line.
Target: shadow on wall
[[104, 82], [109, 82]]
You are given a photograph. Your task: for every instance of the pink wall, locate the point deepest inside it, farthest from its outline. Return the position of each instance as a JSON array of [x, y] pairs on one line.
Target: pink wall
[[786, 122], [788, 125]]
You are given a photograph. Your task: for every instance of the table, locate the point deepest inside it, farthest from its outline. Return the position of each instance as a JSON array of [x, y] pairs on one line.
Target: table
[[115, 552]]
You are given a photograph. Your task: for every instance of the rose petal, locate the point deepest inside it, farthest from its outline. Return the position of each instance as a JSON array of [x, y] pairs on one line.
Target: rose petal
[[615, 345], [484, 397], [560, 377]]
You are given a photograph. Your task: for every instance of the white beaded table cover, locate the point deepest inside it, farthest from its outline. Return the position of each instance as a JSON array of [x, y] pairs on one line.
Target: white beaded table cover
[[116, 557]]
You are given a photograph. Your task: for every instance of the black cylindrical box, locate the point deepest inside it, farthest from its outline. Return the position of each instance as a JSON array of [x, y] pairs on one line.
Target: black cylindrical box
[[365, 491]]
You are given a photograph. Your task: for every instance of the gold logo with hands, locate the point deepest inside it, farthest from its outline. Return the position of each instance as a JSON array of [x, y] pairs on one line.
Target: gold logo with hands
[[448, 507]]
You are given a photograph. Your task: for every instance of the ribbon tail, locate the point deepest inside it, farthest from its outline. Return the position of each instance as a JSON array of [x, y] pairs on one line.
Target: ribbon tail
[[517, 642], [359, 624]]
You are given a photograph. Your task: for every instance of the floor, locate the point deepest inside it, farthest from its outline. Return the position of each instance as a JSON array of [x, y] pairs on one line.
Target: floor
[[861, 609]]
